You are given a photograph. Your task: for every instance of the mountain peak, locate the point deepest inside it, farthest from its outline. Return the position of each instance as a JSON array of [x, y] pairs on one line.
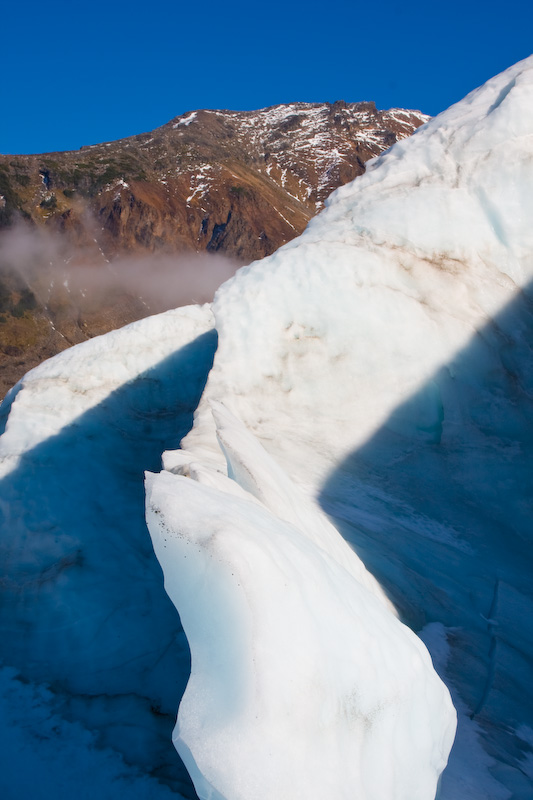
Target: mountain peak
[[236, 183]]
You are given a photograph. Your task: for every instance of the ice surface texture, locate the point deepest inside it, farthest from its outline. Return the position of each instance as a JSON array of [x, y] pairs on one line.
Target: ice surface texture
[[383, 359], [83, 608], [303, 683]]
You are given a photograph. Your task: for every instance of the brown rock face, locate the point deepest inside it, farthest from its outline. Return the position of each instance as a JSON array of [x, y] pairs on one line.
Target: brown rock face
[[234, 183]]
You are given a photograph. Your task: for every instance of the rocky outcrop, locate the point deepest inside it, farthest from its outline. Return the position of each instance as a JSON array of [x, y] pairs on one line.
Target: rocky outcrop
[[173, 188]]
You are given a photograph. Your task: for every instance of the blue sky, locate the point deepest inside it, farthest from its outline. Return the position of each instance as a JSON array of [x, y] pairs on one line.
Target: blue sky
[[79, 73]]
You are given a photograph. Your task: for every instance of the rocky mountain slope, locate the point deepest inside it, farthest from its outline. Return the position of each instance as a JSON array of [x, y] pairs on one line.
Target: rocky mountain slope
[[236, 183]]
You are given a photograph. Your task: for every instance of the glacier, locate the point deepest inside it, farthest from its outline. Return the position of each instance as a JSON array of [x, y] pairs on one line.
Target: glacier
[[302, 680], [374, 378], [90, 643]]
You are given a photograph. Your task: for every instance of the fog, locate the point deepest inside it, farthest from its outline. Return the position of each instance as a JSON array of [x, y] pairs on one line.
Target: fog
[[44, 261]]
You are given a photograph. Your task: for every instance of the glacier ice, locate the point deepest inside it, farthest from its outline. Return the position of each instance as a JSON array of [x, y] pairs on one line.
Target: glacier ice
[[380, 369], [431, 242], [303, 683], [83, 611], [383, 360]]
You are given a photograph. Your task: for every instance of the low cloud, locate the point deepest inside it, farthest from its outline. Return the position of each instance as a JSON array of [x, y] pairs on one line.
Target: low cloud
[[46, 262]]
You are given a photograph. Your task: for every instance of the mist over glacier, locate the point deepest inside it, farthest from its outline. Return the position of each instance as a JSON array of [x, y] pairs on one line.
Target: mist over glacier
[[377, 369]]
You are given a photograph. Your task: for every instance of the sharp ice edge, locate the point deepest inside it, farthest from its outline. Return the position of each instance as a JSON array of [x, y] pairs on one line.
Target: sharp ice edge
[[295, 652]]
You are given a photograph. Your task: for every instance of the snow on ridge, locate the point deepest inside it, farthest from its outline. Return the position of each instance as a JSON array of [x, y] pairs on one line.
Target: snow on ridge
[[405, 112], [308, 126], [186, 120], [308, 129]]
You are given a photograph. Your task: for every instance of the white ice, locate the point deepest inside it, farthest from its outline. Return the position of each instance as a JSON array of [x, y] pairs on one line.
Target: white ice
[[383, 359], [303, 683], [83, 609]]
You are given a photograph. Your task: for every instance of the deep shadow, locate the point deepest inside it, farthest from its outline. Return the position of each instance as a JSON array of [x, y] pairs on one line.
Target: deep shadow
[[83, 604], [5, 405], [438, 504]]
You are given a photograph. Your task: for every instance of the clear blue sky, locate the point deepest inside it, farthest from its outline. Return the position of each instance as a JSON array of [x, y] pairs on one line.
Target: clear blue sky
[[80, 73]]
